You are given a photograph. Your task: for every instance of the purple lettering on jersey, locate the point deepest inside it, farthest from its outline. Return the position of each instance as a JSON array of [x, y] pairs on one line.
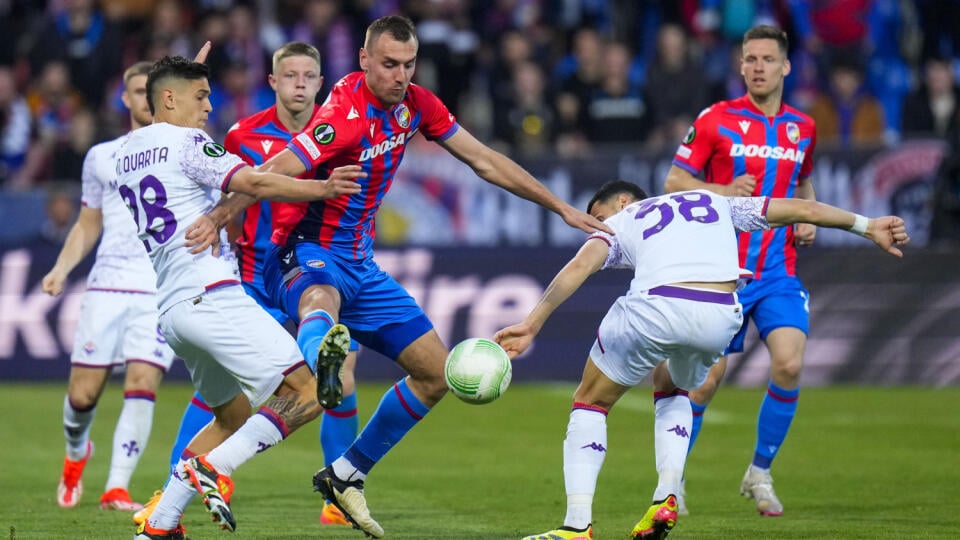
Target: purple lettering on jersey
[[139, 160]]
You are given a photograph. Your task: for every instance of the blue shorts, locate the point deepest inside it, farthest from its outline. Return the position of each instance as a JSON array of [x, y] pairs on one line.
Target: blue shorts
[[772, 303], [379, 312]]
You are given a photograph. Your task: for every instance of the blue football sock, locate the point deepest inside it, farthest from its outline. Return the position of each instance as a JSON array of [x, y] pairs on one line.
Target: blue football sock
[[398, 412], [338, 428], [698, 410], [776, 413], [310, 334], [195, 416]]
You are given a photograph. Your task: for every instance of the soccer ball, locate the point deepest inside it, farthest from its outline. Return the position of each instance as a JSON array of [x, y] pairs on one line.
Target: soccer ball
[[478, 371]]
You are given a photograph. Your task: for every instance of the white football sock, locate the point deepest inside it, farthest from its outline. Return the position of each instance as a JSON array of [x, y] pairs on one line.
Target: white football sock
[[177, 494], [76, 429], [344, 470], [584, 450], [255, 435], [130, 439], [671, 438]]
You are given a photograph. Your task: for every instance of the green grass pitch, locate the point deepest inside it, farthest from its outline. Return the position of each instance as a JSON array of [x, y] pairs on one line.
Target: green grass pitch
[[859, 463]]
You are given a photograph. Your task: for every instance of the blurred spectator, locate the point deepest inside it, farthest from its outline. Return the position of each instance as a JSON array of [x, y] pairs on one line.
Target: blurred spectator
[[616, 111], [80, 36], [448, 49], [832, 31], [514, 49], [731, 86], [237, 95], [580, 73], [240, 44], [846, 113], [169, 29], [67, 162], [323, 26], [53, 103], [60, 214], [16, 128], [933, 107], [941, 30], [945, 226], [676, 89], [529, 124]]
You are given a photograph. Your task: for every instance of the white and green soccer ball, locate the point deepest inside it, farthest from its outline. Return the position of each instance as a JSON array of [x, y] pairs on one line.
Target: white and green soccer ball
[[478, 371]]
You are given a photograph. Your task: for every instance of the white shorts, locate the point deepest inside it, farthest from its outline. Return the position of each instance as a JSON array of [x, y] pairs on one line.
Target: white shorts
[[643, 329], [230, 345], [119, 327]]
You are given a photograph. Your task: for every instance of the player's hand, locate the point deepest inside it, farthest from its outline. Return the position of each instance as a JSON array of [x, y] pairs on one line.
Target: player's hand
[[888, 232], [342, 181], [804, 234], [742, 186], [201, 56], [203, 234], [584, 221], [515, 339], [52, 283]]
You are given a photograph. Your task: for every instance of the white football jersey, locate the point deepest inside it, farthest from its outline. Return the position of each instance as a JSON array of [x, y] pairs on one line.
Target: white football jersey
[[681, 237], [168, 177], [122, 263]]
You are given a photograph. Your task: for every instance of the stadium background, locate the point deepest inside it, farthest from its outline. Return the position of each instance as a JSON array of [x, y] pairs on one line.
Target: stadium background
[[578, 92]]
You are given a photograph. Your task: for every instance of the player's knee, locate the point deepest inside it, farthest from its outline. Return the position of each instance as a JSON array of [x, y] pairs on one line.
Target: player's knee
[[786, 373], [142, 378], [83, 399]]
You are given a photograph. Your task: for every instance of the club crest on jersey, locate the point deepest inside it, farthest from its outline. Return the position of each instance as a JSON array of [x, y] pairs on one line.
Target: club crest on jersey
[[402, 114], [324, 133], [793, 132], [213, 149], [690, 136], [89, 348], [316, 264]]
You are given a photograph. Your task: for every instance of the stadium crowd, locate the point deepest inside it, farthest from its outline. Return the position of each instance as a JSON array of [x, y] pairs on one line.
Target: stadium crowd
[[531, 77]]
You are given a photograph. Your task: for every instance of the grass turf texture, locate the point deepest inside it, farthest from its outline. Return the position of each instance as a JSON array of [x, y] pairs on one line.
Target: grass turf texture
[[858, 463]]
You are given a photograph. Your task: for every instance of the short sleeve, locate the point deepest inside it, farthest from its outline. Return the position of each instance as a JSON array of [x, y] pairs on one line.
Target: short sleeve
[[806, 168], [90, 185], [697, 146], [438, 122], [749, 213], [207, 162], [328, 135], [617, 256]]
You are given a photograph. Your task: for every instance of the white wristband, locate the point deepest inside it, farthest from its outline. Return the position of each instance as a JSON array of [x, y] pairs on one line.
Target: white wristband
[[860, 224]]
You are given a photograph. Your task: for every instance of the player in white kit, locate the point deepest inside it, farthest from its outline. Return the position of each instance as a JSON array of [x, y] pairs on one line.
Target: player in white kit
[[169, 174], [118, 319], [678, 316]]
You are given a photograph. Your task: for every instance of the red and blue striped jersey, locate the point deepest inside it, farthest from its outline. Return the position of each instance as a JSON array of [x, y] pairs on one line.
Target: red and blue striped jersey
[[256, 139], [354, 128], [733, 138]]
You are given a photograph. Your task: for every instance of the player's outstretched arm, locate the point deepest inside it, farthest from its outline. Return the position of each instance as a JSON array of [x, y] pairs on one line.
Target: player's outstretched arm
[[681, 180], [502, 171], [80, 241], [887, 232], [517, 338], [279, 187]]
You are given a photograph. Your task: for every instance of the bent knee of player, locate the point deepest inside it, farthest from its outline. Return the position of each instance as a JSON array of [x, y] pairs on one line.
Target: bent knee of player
[[142, 377], [705, 392], [323, 297]]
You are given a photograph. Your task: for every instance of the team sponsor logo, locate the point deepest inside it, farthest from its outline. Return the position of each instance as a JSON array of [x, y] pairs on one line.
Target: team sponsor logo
[[402, 114], [324, 133], [213, 149], [690, 136], [308, 145], [316, 264], [266, 144], [387, 145], [793, 132], [745, 126], [764, 151]]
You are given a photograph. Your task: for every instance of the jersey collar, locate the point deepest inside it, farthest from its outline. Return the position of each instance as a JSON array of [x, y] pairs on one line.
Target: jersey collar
[[748, 103], [370, 98]]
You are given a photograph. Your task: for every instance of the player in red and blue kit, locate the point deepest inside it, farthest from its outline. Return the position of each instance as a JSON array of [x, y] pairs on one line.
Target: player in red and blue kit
[[296, 80], [325, 271], [757, 145]]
